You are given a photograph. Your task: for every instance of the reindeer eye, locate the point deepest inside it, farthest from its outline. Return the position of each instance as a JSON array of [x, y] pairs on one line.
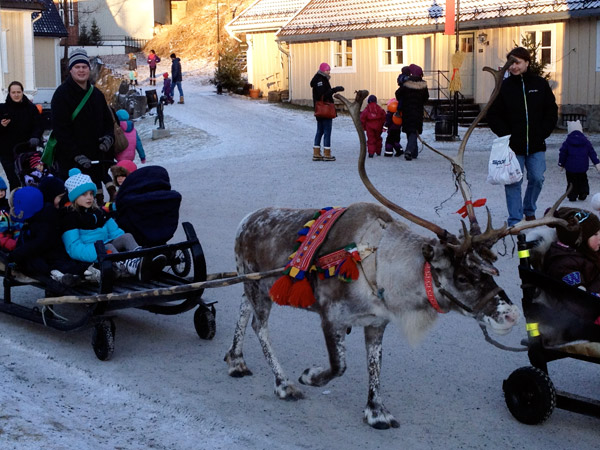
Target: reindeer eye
[[462, 279]]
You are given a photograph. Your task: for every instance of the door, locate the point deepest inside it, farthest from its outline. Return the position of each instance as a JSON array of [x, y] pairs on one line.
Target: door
[[467, 46]]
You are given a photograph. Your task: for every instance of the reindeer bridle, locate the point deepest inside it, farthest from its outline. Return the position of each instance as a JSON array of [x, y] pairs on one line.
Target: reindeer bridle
[[477, 310]]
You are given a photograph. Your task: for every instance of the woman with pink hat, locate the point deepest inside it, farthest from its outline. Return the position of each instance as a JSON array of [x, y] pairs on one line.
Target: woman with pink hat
[[322, 90]]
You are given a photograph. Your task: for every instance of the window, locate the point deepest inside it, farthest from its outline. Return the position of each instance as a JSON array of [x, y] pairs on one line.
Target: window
[[466, 44], [545, 36], [342, 56], [392, 53], [70, 11]]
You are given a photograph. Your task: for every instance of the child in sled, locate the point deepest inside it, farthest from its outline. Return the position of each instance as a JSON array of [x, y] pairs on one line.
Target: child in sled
[[39, 250], [84, 223]]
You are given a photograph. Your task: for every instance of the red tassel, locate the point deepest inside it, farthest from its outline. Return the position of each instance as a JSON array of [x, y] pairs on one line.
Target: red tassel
[[280, 291], [301, 294], [347, 270]]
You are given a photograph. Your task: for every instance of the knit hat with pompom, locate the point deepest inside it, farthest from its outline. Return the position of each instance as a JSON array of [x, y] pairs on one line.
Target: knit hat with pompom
[[79, 183]]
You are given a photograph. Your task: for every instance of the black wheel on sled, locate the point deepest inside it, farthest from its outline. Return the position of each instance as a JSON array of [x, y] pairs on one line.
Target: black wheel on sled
[[204, 322], [529, 395], [103, 339], [181, 262]]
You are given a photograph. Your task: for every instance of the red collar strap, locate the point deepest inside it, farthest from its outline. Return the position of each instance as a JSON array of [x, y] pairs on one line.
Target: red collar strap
[[428, 282]]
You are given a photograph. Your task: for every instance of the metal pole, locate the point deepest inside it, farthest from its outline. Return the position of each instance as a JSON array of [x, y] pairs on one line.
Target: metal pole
[[218, 41], [456, 49]]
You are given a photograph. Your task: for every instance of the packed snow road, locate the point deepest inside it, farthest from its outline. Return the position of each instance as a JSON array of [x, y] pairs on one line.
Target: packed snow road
[[166, 389]]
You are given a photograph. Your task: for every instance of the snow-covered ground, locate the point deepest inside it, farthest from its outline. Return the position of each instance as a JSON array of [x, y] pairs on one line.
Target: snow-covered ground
[[166, 389]]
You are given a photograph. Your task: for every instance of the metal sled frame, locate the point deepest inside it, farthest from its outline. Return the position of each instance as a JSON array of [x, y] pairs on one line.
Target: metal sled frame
[[529, 392], [158, 295]]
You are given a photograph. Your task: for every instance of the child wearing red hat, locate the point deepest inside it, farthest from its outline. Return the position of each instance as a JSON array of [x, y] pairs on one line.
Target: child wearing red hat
[[166, 90]]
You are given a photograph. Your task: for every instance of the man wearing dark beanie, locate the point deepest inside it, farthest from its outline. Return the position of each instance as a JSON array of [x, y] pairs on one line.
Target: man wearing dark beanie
[[88, 136], [526, 110]]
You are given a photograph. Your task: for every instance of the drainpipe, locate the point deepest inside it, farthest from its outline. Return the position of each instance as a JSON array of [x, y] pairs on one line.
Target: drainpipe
[[289, 60]]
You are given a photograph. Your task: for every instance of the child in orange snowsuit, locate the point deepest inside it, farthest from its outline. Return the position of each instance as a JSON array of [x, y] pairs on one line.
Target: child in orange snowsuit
[[372, 119]]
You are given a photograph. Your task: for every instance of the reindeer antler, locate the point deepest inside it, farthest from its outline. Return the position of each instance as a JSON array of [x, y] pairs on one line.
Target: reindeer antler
[[354, 110], [458, 161]]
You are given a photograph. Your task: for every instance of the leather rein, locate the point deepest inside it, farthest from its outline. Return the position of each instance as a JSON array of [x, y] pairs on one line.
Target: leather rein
[[431, 279]]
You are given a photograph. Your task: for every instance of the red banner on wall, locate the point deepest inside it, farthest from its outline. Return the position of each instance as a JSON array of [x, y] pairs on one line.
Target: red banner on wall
[[450, 13]]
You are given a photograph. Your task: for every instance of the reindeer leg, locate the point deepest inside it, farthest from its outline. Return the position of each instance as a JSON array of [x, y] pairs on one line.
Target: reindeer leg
[[375, 414], [284, 388], [334, 339], [235, 356]]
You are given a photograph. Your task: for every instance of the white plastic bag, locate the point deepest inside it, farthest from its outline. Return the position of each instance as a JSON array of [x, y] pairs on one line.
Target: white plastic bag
[[503, 167]]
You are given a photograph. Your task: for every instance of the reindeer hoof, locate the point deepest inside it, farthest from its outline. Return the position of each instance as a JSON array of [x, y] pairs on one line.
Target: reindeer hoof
[[288, 392], [237, 367], [312, 377], [380, 419]]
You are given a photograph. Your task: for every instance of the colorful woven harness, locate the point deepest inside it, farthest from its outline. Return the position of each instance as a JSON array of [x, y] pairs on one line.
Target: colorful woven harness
[[293, 288]]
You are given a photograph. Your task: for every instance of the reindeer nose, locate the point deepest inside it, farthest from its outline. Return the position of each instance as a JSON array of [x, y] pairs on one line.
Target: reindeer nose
[[512, 316]]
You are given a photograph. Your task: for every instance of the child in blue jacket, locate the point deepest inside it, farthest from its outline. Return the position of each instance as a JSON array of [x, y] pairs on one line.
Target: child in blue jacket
[[84, 223], [574, 155]]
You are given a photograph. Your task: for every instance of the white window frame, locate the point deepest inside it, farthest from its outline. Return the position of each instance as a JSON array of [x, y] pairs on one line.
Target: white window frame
[[381, 49], [71, 11], [598, 46], [538, 29], [332, 53]]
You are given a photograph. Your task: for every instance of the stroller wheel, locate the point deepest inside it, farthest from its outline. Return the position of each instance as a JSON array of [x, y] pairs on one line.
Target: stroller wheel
[[103, 339], [529, 395], [181, 262]]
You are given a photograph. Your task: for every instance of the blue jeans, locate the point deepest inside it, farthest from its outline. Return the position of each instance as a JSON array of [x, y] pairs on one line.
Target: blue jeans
[[323, 130], [534, 166], [178, 84]]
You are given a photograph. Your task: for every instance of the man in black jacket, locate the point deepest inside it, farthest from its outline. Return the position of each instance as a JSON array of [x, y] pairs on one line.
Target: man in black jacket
[[176, 76], [526, 109], [90, 136]]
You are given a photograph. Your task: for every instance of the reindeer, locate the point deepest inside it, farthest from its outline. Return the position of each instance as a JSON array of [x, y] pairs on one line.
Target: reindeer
[[391, 286]]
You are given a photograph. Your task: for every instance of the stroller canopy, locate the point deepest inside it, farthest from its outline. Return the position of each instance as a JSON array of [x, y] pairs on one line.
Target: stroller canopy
[[147, 207]]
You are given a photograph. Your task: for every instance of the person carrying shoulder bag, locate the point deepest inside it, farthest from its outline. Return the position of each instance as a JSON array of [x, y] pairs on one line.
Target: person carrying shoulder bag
[[87, 137]]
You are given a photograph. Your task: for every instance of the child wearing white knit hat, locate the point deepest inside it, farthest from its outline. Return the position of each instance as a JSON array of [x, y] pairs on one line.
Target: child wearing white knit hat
[[84, 223]]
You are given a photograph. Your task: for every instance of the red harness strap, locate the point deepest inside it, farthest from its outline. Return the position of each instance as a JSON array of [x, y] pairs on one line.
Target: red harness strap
[[428, 282]]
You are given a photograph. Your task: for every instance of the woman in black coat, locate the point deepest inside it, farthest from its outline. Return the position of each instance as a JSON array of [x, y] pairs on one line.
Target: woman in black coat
[[322, 90], [412, 95], [20, 122]]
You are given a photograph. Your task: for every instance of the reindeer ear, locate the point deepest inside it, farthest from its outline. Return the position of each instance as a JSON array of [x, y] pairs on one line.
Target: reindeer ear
[[428, 252]]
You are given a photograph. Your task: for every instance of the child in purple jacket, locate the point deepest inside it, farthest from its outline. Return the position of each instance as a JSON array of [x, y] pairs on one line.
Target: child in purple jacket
[[166, 90], [573, 158]]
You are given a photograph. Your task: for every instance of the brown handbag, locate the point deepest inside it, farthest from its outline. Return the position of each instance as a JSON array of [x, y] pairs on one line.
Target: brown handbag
[[325, 110], [121, 142]]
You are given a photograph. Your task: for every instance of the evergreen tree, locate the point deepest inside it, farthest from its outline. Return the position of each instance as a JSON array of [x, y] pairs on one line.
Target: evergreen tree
[[536, 66], [84, 36], [95, 34], [229, 73]]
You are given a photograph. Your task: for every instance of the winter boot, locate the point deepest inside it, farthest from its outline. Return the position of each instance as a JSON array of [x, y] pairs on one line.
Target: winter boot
[[181, 100], [68, 279], [92, 274], [389, 150], [327, 155], [399, 151], [317, 154]]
